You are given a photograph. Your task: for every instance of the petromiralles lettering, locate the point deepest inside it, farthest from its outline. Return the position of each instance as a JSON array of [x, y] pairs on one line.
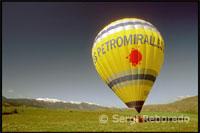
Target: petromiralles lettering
[[132, 39]]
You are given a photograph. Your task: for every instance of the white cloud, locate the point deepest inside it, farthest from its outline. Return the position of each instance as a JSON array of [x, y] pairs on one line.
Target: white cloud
[[11, 91], [177, 98]]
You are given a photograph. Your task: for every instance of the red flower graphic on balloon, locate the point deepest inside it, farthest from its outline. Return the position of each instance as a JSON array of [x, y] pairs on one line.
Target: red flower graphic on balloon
[[135, 57]]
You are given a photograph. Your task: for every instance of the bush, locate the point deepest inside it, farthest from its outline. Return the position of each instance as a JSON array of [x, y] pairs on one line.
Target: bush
[[5, 104], [15, 111]]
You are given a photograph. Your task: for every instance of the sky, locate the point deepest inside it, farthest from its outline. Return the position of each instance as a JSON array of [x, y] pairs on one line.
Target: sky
[[46, 49]]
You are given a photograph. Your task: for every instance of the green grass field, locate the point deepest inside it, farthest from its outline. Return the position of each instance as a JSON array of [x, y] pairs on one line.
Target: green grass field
[[43, 120]]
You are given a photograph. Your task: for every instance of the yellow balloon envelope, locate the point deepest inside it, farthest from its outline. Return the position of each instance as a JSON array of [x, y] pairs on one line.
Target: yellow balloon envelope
[[128, 55]]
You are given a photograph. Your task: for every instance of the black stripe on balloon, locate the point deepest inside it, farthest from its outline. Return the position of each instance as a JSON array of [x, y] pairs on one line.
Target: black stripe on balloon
[[135, 104], [131, 77]]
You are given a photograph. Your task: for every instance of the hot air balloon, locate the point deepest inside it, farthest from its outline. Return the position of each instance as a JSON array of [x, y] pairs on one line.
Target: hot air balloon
[[128, 55]]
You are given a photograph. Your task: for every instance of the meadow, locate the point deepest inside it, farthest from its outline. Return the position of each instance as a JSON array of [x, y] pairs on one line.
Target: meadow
[[32, 119]]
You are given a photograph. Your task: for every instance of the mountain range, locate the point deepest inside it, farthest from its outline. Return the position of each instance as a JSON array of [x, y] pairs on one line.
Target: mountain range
[[52, 103], [188, 105]]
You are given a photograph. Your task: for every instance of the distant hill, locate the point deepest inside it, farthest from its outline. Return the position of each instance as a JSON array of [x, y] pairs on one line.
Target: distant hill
[[187, 105], [3, 98], [5, 104], [52, 103]]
